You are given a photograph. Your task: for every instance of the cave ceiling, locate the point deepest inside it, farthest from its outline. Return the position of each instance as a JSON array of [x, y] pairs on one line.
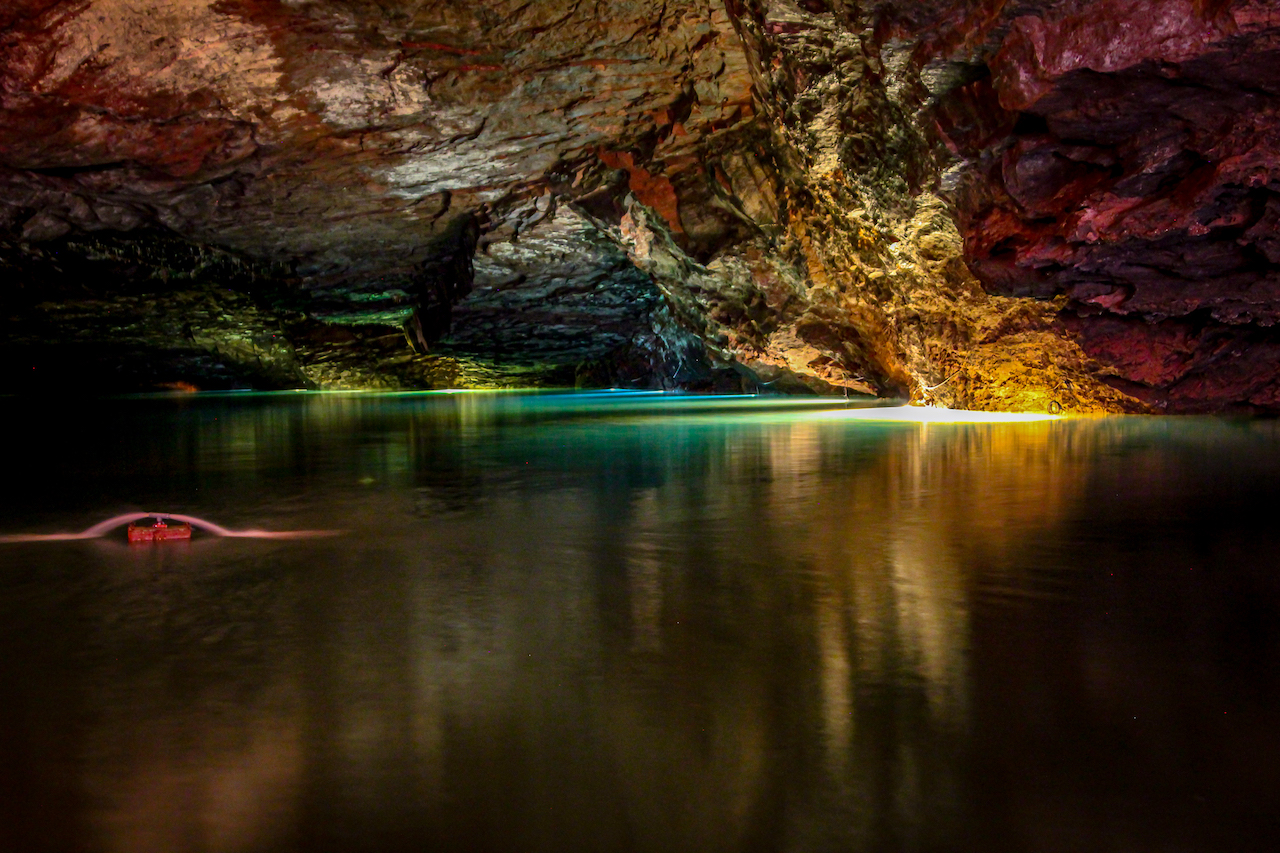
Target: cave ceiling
[[1067, 203]]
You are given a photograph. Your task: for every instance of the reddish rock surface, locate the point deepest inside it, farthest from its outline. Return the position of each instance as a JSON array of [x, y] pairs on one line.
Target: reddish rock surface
[[1122, 156]]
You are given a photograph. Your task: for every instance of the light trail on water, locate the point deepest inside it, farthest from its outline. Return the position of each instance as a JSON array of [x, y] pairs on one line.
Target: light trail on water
[[102, 528]]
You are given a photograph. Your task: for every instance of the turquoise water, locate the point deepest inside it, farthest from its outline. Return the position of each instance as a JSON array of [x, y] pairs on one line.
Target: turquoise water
[[637, 622]]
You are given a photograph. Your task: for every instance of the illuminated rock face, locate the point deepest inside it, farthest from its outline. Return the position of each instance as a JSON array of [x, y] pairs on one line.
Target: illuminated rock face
[[1015, 206], [381, 157]]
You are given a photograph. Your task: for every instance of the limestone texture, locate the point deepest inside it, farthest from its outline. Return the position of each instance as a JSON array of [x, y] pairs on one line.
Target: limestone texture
[[1057, 205]]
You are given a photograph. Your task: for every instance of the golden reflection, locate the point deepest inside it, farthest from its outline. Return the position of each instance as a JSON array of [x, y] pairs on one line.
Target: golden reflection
[[932, 621], [837, 681], [936, 414], [630, 657], [644, 578], [893, 547]]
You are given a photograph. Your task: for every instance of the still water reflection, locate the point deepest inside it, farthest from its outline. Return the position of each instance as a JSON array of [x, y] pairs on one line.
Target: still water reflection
[[604, 622]]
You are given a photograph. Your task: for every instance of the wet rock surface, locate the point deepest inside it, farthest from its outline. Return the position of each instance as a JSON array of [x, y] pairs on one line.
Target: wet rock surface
[[1058, 204]]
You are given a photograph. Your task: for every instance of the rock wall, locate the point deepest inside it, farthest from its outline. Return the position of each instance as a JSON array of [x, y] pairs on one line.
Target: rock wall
[[1121, 159], [887, 292], [1063, 204]]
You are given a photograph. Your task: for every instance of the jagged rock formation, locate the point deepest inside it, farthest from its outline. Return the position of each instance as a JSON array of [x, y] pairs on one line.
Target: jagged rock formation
[[1057, 204], [1124, 161]]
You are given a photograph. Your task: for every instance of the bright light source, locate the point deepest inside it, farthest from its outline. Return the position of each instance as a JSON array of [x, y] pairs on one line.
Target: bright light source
[[929, 414]]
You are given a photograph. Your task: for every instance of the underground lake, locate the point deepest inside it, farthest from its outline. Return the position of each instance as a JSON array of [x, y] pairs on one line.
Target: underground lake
[[636, 622]]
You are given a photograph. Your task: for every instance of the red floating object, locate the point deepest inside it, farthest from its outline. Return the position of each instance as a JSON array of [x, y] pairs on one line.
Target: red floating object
[[144, 531]]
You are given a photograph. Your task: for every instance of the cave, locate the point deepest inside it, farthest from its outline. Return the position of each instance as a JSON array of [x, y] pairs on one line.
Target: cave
[[530, 426], [1003, 206]]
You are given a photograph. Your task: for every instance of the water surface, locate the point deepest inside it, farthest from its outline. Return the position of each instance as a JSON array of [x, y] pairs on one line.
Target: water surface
[[637, 623]]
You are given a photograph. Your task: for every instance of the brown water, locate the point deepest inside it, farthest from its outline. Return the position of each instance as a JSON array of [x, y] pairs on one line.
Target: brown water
[[637, 623]]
